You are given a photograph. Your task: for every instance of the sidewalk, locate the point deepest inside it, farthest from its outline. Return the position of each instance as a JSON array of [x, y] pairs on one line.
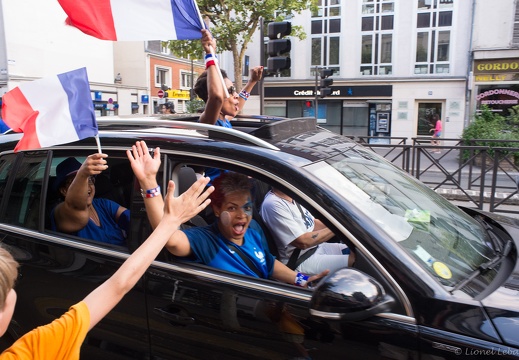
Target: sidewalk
[[432, 175]]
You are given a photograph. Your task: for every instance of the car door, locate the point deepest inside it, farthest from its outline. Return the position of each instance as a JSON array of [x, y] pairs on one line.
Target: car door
[[58, 270], [202, 312]]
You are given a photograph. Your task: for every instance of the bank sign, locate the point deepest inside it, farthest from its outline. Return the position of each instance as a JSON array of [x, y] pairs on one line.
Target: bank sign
[[337, 91]]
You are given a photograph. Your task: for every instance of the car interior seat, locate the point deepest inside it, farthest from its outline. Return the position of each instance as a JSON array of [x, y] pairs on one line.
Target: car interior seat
[[186, 178], [121, 177]]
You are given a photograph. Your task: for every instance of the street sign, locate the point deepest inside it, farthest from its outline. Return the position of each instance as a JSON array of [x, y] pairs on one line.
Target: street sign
[[160, 94]]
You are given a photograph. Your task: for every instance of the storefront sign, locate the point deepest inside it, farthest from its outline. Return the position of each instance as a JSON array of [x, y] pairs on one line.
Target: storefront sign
[[337, 91], [496, 66], [498, 97], [496, 70], [178, 94]]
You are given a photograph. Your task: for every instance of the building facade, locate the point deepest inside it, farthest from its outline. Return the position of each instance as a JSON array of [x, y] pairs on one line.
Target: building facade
[[396, 64], [495, 62]]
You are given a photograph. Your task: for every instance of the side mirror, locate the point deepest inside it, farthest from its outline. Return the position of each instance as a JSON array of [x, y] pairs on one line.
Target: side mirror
[[349, 294]]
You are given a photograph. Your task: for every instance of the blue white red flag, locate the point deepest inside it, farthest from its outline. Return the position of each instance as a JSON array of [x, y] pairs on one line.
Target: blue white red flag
[[135, 20], [51, 111]]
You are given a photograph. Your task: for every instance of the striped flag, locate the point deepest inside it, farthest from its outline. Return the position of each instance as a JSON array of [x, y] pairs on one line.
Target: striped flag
[[135, 20], [51, 111]]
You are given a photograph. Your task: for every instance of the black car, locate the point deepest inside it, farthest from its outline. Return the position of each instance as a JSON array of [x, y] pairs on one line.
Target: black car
[[430, 281]]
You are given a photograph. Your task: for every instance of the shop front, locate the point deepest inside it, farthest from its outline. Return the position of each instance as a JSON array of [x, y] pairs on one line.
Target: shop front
[[497, 84], [105, 103], [346, 111]]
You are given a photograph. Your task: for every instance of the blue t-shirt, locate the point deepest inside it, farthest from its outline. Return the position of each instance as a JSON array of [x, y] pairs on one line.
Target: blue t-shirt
[[210, 248], [109, 232], [213, 173], [224, 123]]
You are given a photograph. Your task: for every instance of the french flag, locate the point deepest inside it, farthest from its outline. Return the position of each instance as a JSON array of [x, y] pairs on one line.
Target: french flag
[[135, 20], [51, 111]]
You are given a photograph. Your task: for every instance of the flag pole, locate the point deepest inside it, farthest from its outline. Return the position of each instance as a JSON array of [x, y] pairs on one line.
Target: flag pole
[[213, 52], [98, 144]]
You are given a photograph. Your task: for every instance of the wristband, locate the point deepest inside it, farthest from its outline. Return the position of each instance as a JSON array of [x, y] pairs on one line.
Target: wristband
[[244, 95], [210, 60], [301, 279], [150, 192]]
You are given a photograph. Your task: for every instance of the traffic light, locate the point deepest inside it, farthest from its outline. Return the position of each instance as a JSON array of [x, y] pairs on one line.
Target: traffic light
[[278, 46], [326, 82]]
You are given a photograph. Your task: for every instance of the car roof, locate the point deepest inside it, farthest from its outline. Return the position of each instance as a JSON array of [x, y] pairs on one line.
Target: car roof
[[300, 137]]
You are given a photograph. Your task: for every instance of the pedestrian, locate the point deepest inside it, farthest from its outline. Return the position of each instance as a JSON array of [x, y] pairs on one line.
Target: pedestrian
[[437, 131]]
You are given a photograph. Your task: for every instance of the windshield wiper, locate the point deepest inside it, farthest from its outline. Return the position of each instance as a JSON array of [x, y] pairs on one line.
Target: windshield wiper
[[484, 267]]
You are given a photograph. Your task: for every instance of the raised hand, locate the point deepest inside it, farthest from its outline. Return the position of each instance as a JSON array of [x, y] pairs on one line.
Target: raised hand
[[94, 164], [188, 204], [144, 166]]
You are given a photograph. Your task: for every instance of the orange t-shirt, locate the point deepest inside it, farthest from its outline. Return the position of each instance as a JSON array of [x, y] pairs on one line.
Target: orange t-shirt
[[61, 339]]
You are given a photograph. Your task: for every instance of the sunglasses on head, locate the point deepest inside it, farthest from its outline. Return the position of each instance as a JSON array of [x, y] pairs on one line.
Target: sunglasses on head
[[231, 90]]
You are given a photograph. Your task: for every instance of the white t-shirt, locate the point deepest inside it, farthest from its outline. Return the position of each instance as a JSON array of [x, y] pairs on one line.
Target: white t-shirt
[[285, 222]]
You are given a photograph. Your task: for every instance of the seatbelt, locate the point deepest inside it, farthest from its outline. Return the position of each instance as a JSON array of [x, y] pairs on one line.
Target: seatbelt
[[247, 261], [295, 260]]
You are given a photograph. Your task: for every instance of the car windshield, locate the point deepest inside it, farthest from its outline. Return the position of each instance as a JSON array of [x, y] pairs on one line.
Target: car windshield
[[446, 242]]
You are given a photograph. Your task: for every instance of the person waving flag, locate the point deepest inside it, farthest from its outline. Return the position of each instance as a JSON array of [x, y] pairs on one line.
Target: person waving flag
[[51, 111], [135, 20]]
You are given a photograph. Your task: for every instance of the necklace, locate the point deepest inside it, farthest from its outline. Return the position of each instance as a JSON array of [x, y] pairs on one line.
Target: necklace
[[93, 215]]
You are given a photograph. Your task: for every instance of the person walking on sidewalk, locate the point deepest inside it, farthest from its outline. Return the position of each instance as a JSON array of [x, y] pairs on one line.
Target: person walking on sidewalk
[[437, 131]]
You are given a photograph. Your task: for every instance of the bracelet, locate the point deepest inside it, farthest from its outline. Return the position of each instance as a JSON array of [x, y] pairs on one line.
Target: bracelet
[[210, 60], [301, 279], [244, 95], [150, 192]]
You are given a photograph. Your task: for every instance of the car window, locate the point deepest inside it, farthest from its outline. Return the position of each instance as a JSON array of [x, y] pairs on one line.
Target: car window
[[115, 184], [25, 194], [6, 165], [444, 240]]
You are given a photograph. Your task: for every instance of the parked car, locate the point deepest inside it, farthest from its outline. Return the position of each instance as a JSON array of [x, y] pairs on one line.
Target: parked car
[[430, 281]]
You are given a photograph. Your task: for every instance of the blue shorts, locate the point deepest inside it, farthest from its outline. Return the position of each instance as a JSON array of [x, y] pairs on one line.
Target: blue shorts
[[438, 134]]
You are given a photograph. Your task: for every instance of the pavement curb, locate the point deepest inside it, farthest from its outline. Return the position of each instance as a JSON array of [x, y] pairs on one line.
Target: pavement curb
[[456, 194]]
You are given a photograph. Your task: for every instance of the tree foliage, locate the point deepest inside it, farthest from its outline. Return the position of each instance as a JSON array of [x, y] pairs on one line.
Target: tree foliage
[[233, 23], [494, 130]]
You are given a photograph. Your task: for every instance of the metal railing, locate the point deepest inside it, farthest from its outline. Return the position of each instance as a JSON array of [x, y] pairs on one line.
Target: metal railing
[[476, 171]]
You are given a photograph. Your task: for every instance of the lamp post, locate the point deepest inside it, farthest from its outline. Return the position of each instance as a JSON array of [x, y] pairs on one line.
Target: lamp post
[[192, 76]]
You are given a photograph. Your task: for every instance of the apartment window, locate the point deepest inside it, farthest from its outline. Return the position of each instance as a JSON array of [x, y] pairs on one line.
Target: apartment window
[[185, 79], [162, 76], [325, 32], [164, 49], [377, 26], [433, 22]]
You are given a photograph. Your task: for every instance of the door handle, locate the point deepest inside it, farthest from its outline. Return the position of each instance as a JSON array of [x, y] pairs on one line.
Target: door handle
[[175, 315]]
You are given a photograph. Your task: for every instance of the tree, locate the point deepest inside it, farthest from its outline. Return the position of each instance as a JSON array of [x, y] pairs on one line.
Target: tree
[[234, 23]]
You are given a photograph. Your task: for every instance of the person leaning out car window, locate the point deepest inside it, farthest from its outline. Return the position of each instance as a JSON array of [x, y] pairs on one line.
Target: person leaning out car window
[[80, 213]]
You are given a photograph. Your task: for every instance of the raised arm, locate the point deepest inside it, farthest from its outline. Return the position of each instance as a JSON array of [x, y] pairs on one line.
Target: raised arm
[[176, 211], [256, 74], [145, 168], [215, 89], [72, 214]]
